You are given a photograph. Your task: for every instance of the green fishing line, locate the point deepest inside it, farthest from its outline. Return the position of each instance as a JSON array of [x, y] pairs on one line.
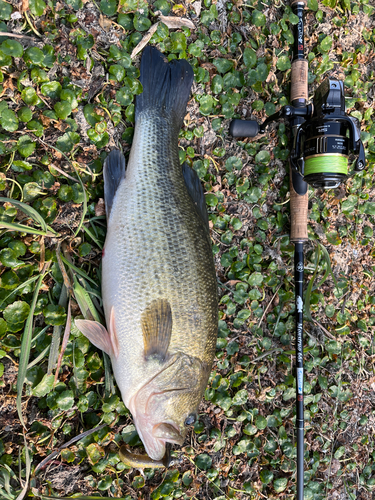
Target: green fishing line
[[326, 164]]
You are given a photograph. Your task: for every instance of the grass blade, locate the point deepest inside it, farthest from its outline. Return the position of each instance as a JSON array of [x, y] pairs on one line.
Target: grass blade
[[22, 494], [26, 346], [328, 261], [65, 340], [13, 226], [30, 211], [22, 285], [55, 341], [78, 270]]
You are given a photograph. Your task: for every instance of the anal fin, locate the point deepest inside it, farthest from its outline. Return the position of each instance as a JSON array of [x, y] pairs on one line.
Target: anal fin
[[156, 321]]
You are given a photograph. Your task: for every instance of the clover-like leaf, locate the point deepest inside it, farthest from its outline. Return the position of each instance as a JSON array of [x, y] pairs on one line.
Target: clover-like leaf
[[54, 315], [11, 48]]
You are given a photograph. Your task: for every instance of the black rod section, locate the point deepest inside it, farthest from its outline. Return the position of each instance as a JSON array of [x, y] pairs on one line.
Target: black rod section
[[298, 274], [299, 42]]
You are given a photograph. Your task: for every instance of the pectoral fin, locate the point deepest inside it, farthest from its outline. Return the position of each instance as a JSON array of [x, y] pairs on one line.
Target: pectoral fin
[[99, 335], [156, 323]]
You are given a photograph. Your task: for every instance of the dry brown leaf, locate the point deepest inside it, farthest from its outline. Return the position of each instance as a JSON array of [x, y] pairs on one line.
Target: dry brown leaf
[[100, 207], [24, 5], [175, 22], [105, 23], [197, 6], [144, 40]]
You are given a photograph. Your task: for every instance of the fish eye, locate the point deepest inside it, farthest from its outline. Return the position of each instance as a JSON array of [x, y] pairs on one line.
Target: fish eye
[[191, 419]]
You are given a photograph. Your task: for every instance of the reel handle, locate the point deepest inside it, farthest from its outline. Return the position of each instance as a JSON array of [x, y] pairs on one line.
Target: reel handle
[[243, 128]]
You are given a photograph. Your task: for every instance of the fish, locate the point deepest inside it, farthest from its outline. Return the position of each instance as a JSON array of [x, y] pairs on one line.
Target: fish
[[159, 285]]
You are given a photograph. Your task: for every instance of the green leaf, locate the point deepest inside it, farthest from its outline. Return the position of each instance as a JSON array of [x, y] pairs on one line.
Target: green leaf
[[263, 157], [12, 48], [206, 105], [280, 484], [37, 7], [30, 97], [117, 72], [142, 23], [178, 42], [34, 55], [9, 120], [31, 190], [65, 400], [44, 387], [313, 5], [283, 63], [256, 279], [108, 7], [62, 109], [266, 476], [258, 18], [94, 452], [203, 461], [54, 315], [240, 398], [5, 10], [51, 89], [211, 200], [25, 114], [249, 58], [261, 422], [326, 44], [8, 258], [223, 65], [368, 208], [66, 142]]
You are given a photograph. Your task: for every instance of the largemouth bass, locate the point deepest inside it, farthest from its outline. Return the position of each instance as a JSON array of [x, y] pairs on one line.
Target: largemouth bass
[[158, 276]]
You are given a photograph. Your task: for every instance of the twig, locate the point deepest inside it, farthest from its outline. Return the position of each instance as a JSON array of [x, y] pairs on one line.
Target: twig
[[44, 462], [269, 304], [17, 35]]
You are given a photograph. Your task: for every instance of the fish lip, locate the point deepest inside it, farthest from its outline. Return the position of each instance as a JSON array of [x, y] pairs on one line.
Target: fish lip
[[178, 440]]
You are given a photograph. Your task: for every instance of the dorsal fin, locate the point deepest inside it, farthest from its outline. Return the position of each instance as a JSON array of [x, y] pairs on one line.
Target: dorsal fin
[[114, 173], [156, 321], [195, 190]]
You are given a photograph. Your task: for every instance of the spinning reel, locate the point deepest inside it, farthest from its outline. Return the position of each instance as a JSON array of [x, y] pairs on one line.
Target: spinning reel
[[323, 141]]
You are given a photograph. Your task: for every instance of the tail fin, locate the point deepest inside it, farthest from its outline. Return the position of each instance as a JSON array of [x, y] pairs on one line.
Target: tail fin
[[166, 86]]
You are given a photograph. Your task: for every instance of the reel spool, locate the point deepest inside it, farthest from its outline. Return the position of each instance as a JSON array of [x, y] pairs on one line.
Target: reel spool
[[323, 142]]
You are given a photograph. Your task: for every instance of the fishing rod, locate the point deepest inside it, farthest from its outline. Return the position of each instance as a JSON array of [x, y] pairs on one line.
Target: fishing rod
[[323, 135]]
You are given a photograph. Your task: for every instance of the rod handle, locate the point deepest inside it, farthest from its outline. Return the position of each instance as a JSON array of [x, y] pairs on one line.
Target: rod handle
[[299, 80], [299, 200], [244, 128], [295, 2]]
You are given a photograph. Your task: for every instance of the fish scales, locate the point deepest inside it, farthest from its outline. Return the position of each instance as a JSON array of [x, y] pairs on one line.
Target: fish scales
[[161, 249]]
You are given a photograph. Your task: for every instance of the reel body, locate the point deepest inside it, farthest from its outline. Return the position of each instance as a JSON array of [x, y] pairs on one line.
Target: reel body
[[323, 142]]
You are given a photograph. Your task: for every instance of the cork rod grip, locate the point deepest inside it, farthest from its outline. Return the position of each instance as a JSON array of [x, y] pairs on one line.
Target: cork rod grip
[[299, 83], [298, 214], [298, 202]]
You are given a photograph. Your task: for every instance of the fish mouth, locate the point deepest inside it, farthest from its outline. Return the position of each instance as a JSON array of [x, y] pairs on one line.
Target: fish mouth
[[167, 432]]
